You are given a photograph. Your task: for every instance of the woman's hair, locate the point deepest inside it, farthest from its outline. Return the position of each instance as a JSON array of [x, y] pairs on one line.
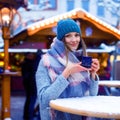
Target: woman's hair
[[83, 46]]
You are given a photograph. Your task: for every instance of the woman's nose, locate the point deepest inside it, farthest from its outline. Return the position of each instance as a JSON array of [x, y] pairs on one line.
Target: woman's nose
[[73, 38]]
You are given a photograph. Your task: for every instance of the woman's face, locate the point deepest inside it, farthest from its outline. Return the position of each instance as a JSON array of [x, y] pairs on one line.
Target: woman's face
[[72, 40]]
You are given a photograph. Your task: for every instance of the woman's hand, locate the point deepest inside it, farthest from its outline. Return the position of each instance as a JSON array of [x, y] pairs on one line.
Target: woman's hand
[[94, 67], [77, 67], [73, 68]]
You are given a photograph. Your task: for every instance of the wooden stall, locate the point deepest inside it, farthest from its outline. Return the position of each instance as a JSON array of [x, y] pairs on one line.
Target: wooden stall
[[94, 31]]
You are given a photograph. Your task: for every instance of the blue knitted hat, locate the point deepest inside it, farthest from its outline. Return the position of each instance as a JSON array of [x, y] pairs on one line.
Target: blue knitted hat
[[66, 26]]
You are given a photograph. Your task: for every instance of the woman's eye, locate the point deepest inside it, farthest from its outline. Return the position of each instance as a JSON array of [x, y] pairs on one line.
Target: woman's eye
[[68, 35], [77, 35]]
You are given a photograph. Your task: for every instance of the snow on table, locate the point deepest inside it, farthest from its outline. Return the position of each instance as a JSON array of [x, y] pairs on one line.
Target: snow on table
[[94, 106]]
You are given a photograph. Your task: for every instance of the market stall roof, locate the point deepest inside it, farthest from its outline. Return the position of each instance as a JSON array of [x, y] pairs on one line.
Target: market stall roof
[[94, 30]]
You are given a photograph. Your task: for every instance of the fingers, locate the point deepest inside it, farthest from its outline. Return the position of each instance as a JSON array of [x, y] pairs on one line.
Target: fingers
[[95, 65]]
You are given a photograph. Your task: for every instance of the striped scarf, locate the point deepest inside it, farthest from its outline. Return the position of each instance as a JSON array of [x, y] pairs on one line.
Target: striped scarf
[[55, 60]]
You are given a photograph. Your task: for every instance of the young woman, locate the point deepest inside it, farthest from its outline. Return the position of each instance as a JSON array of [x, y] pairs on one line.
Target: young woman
[[61, 75]]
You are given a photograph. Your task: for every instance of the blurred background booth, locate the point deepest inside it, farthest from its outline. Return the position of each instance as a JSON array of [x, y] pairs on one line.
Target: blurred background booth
[[99, 37]]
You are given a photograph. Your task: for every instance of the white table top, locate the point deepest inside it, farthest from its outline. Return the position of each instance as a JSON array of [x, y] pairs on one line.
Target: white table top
[[94, 106], [110, 83]]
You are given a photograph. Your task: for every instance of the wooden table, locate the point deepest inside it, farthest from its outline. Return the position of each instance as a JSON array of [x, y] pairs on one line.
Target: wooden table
[[93, 106], [109, 83]]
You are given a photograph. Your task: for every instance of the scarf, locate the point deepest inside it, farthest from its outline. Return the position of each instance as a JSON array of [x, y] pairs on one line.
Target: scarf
[[56, 60]]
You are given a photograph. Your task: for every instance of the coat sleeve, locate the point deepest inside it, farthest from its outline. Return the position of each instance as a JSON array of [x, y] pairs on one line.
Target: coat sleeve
[[45, 89], [94, 87]]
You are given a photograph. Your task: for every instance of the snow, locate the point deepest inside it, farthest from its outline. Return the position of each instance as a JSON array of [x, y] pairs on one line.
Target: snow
[[100, 105], [113, 83]]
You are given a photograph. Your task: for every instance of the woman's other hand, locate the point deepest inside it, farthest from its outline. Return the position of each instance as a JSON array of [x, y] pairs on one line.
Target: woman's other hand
[[94, 67]]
